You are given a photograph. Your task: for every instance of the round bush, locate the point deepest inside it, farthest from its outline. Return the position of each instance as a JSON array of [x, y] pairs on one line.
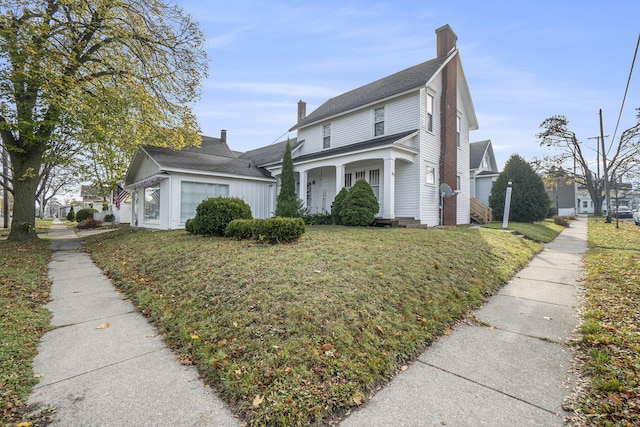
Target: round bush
[[215, 213], [239, 229], [360, 205], [336, 206], [84, 214], [278, 229]]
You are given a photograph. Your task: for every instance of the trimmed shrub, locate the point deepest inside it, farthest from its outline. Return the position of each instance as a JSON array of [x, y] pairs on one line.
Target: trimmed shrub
[[88, 223], [109, 218], [215, 213], [278, 229], [318, 219], [336, 206], [239, 229], [84, 214], [71, 216], [360, 206]]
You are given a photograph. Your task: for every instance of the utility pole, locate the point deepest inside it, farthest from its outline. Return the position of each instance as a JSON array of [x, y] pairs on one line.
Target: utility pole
[[605, 170]]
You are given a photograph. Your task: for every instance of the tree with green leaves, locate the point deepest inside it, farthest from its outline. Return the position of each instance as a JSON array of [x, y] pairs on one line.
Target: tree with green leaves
[[288, 204], [95, 73], [529, 199]]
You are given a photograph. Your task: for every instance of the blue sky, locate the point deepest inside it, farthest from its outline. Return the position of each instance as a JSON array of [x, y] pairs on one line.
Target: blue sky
[[524, 61]]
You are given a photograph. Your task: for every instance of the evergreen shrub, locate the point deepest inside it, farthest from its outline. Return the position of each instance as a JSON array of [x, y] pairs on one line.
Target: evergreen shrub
[[215, 213], [336, 206], [239, 229], [84, 214], [360, 206], [71, 216], [278, 229]]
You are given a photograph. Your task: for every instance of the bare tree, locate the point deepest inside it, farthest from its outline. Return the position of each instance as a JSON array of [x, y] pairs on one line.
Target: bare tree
[[573, 156]]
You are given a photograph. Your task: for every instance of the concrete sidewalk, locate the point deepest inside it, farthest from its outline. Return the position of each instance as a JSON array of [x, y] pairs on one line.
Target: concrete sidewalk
[[509, 370], [120, 375]]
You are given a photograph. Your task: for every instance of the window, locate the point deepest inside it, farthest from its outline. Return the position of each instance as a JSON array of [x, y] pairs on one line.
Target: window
[[347, 180], [585, 204], [430, 175], [458, 131], [360, 175], [485, 162], [152, 203], [430, 113], [192, 193], [458, 182], [378, 121], [374, 182], [326, 136]]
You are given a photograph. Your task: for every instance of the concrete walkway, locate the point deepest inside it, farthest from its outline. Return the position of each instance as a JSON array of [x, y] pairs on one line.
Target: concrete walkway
[[509, 370], [120, 375]]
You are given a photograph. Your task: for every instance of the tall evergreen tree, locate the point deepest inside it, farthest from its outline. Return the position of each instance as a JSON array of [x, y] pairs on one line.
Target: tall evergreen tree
[[287, 204], [529, 200]]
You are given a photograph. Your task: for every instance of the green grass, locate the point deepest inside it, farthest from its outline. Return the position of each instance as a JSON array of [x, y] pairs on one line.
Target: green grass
[[42, 226], [609, 346], [24, 288], [297, 334], [541, 231]]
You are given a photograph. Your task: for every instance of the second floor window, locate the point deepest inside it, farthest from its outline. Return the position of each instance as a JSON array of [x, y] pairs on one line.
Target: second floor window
[[378, 121], [326, 136], [429, 113]]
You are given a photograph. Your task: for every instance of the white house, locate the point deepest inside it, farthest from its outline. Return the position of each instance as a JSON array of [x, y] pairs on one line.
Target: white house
[[405, 134]]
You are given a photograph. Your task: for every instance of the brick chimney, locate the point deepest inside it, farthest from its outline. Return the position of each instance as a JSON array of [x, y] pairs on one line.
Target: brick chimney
[[223, 136], [302, 110], [445, 41]]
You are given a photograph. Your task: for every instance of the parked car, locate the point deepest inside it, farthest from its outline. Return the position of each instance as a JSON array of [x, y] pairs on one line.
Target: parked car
[[636, 216], [622, 212]]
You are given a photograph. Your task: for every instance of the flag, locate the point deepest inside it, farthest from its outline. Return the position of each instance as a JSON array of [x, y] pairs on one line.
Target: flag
[[122, 195]]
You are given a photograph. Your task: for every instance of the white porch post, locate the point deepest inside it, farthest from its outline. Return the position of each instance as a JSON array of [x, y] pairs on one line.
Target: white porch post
[[302, 190], [388, 210], [339, 178]]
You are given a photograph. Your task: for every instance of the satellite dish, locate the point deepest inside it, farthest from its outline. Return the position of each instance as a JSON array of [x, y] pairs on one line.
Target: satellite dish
[[445, 191]]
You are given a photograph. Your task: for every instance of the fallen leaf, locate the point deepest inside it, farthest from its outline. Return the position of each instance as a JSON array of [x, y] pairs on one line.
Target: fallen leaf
[[357, 399], [235, 324], [195, 337], [222, 343], [38, 375], [152, 335], [257, 401], [615, 399], [103, 326], [25, 424]]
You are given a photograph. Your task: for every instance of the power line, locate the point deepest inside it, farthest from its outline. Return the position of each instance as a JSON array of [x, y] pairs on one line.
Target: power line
[[625, 92]]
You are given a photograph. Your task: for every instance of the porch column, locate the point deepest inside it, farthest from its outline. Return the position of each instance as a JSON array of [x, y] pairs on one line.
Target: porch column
[[302, 189], [339, 178], [389, 198]]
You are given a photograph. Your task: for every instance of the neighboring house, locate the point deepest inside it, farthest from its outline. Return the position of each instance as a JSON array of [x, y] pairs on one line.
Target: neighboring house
[[484, 170], [405, 134], [167, 185], [620, 194]]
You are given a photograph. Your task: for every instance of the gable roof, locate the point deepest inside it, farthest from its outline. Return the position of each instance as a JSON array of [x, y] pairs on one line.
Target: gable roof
[[402, 81], [477, 151], [270, 154]]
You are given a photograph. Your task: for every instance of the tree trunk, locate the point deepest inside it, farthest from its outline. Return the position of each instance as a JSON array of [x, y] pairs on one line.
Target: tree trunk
[[25, 185]]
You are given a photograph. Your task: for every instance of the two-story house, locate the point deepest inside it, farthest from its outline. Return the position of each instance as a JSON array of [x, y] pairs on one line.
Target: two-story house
[[405, 134]]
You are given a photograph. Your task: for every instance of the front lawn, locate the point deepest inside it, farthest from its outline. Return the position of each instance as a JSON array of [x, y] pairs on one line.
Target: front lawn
[[540, 231], [609, 344], [24, 288], [297, 334]]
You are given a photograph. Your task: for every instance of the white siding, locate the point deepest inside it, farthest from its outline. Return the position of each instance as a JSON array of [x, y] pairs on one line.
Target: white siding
[[464, 198], [401, 115], [430, 156], [407, 189]]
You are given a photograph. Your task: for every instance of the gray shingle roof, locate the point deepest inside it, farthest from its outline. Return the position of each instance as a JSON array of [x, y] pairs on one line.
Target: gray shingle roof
[[270, 154], [402, 81], [196, 160], [476, 153], [372, 143]]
